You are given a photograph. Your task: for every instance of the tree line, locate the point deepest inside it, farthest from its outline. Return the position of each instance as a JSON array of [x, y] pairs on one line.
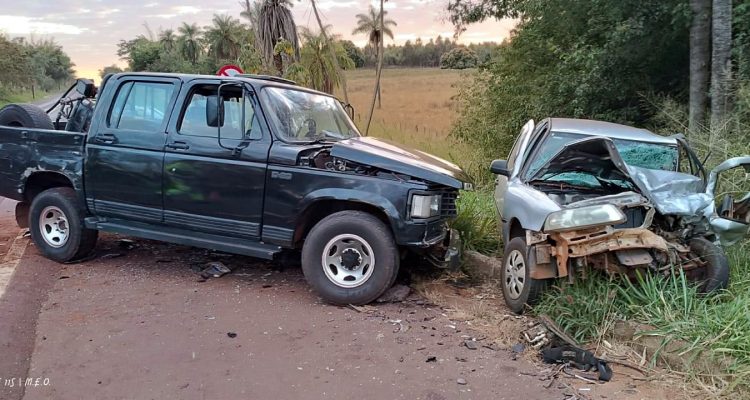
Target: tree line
[[671, 65], [31, 65]]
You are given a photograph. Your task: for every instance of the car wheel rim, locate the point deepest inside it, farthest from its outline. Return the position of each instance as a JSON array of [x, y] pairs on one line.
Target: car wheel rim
[[53, 225], [515, 274], [348, 261]]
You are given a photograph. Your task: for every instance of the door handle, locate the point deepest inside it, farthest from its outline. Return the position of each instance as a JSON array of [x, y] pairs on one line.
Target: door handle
[[178, 146], [106, 138]]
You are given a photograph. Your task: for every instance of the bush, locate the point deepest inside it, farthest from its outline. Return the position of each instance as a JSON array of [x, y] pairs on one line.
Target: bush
[[459, 58]]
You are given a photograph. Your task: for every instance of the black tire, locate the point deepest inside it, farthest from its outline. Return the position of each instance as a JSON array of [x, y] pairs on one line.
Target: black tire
[[25, 116], [375, 234], [531, 288], [80, 241], [715, 275]]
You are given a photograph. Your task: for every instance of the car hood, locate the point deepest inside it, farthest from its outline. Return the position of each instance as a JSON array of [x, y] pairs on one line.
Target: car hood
[[390, 156], [671, 192]]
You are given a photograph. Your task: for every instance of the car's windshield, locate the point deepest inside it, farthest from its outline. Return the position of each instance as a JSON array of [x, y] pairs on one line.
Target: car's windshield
[[303, 117], [638, 154]]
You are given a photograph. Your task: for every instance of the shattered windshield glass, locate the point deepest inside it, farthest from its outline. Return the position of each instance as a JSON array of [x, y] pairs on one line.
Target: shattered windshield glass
[[638, 154], [304, 117]]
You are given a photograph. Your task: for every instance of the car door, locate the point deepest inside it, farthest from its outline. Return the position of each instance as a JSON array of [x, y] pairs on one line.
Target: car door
[[125, 153], [729, 184], [211, 185], [514, 164]]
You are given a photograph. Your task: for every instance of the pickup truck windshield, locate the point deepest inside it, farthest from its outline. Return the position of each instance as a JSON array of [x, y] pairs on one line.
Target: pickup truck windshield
[[302, 117]]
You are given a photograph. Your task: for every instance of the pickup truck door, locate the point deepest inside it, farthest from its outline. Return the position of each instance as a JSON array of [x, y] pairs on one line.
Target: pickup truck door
[[125, 149], [212, 186]]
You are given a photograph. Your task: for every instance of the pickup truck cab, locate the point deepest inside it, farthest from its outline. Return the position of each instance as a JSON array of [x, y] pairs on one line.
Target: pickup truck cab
[[249, 165]]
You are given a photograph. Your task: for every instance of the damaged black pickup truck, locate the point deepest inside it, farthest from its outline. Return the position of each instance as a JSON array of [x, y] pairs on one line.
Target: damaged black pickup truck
[[249, 165]]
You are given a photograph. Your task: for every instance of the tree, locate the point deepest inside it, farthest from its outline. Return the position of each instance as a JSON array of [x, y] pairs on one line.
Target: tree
[[375, 26], [354, 53], [384, 28], [111, 69], [189, 40], [251, 12], [332, 49], [275, 23], [721, 62], [224, 37], [322, 56], [459, 58], [167, 39], [700, 54]]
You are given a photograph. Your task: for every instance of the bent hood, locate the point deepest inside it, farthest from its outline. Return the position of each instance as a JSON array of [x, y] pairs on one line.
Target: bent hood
[[390, 156], [671, 192]]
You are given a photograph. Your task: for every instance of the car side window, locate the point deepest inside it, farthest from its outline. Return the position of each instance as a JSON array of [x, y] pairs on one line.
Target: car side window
[[141, 106], [193, 122]]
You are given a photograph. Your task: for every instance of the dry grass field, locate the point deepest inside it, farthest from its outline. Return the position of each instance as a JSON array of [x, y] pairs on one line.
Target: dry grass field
[[418, 106]]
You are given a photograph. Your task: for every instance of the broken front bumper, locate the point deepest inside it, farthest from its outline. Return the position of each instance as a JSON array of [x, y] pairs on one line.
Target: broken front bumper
[[446, 254]]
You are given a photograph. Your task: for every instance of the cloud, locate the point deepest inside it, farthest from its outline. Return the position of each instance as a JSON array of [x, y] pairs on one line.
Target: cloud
[[19, 25]]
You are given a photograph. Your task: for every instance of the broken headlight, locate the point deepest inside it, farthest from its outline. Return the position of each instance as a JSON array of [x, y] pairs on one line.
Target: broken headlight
[[425, 206], [584, 217]]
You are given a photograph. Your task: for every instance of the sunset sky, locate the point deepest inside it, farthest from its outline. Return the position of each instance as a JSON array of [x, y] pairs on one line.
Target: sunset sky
[[90, 30]]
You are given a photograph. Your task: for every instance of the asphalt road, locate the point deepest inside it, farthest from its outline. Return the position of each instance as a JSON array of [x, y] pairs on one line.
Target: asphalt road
[[140, 324]]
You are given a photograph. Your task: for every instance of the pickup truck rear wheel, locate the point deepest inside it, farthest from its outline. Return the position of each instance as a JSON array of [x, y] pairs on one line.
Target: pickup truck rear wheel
[[519, 288], [57, 228], [350, 257], [25, 116]]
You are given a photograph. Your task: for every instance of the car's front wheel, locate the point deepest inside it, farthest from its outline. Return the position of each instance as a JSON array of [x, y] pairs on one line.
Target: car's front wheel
[[350, 257], [57, 228], [519, 288]]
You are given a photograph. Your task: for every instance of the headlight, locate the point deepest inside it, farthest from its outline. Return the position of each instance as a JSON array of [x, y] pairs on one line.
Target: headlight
[[425, 206], [584, 217]]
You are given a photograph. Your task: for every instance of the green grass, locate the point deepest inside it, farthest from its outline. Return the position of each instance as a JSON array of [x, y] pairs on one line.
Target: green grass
[[713, 326], [7, 97], [477, 222]]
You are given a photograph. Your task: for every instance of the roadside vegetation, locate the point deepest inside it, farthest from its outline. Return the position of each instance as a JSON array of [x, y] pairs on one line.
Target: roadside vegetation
[[31, 69]]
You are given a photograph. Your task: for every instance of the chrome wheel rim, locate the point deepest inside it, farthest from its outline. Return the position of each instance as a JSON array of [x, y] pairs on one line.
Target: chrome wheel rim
[[515, 274], [348, 261], [53, 225]]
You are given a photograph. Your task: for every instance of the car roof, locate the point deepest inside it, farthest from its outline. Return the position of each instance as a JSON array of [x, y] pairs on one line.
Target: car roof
[[607, 129], [257, 81]]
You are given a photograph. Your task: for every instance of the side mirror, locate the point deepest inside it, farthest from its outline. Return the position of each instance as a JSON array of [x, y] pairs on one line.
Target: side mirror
[[214, 112], [500, 167], [349, 110]]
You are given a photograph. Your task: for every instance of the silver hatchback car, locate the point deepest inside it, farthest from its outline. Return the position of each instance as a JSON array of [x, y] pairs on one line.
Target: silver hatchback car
[[580, 193]]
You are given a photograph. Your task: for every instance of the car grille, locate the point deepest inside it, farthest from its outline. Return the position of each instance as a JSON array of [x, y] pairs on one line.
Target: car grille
[[448, 207]]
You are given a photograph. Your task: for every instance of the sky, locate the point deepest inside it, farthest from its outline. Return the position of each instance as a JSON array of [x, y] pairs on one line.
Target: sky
[[90, 30]]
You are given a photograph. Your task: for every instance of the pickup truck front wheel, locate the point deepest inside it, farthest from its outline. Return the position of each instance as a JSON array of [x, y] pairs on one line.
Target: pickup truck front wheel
[[57, 228], [350, 257]]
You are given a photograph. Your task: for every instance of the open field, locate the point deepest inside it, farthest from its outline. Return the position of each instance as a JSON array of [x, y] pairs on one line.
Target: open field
[[418, 106]]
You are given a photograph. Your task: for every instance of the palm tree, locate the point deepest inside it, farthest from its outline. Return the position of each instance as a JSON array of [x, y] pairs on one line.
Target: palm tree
[[375, 26], [190, 41], [275, 22], [167, 39], [331, 51], [380, 66], [316, 56], [251, 12], [224, 37]]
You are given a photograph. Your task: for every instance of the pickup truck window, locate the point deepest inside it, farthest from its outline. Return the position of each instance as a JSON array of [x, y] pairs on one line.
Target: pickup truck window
[[194, 122], [140, 106], [304, 117]]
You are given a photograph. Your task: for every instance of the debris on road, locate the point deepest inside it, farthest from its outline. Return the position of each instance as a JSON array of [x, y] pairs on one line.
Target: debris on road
[[518, 348], [471, 345], [111, 255], [127, 244], [461, 381], [231, 335], [396, 294], [431, 359], [215, 269]]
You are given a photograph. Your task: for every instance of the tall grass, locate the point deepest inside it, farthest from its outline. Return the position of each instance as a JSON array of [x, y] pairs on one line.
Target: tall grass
[[477, 222]]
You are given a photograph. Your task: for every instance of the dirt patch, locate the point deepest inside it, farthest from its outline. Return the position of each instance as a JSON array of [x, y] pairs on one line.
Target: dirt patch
[[482, 307]]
